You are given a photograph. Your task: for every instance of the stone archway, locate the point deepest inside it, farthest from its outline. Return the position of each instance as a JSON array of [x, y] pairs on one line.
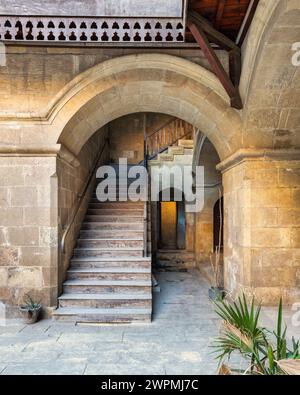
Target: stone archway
[[150, 82], [143, 83]]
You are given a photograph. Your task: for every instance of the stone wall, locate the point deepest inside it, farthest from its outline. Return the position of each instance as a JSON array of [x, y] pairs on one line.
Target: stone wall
[[126, 135], [262, 228], [126, 139], [28, 229], [34, 75], [204, 226], [167, 8], [37, 196]]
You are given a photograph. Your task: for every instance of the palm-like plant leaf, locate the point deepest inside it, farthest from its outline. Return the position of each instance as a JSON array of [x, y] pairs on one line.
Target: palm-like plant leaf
[[241, 331]]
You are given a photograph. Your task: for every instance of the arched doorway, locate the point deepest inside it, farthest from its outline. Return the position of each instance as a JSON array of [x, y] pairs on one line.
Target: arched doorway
[[218, 214], [160, 84], [172, 223]]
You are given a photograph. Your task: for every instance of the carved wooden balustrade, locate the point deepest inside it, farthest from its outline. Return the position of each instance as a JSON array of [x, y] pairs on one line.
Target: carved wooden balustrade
[[91, 29]]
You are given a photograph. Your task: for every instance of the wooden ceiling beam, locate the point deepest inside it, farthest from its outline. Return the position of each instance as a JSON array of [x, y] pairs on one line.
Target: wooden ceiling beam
[[230, 84], [213, 34], [219, 14]]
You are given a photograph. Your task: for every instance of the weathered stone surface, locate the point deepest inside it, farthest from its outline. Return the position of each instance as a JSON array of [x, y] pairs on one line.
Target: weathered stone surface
[[261, 230], [24, 277], [23, 197], [9, 256]]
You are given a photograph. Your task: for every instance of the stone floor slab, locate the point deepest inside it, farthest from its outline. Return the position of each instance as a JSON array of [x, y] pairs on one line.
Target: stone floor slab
[[178, 341]]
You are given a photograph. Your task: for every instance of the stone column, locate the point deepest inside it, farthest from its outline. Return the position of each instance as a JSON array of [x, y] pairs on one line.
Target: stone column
[[262, 224]]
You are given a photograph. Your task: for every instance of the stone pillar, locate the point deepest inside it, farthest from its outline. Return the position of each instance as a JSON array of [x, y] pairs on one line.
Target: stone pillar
[[262, 225], [189, 231], [28, 230]]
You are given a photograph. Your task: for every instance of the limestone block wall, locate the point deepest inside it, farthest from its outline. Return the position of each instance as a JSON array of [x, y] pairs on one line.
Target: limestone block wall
[[33, 75], [126, 135], [37, 197], [28, 229], [204, 222], [126, 139], [154, 8], [270, 81], [262, 228]]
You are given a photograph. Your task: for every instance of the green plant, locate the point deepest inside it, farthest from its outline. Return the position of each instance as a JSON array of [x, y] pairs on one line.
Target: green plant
[[242, 333], [30, 304]]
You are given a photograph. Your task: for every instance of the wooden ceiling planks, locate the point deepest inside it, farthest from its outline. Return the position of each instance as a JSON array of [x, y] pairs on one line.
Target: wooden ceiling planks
[[225, 15]]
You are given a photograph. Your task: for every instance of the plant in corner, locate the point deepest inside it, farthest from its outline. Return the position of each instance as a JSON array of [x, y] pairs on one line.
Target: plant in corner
[[266, 352], [30, 310]]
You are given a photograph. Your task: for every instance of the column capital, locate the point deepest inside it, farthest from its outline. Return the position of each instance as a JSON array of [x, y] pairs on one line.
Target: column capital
[[40, 150], [248, 154]]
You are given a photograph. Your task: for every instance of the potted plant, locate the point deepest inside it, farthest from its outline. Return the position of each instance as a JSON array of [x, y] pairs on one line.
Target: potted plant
[[31, 310], [266, 352], [216, 291]]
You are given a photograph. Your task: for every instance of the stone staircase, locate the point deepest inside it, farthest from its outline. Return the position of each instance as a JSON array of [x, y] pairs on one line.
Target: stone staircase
[[109, 279], [175, 260], [181, 154]]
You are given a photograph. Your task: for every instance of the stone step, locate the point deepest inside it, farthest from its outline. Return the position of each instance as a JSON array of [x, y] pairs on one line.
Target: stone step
[[108, 274], [112, 234], [112, 218], [175, 259], [108, 252], [183, 159], [175, 253], [119, 263], [117, 189], [122, 315], [113, 212], [106, 286], [122, 180], [186, 143], [110, 243], [92, 225], [122, 183], [117, 205], [108, 301], [128, 203], [165, 157], [176, 150]]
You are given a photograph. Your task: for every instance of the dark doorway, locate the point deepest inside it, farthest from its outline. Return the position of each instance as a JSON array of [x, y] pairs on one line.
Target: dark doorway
[[218, 224], [171, 216], [168, 225]]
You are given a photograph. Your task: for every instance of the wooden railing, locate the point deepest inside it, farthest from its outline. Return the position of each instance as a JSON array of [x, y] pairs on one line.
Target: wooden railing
[[167, 135], [60, 29]]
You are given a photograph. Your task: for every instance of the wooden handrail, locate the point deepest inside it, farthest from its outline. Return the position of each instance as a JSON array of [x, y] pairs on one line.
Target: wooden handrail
[[165, 148], [161, 138], [81, 197]]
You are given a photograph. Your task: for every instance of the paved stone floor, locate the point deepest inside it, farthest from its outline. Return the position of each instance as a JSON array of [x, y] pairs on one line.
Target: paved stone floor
[[176, 342]]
